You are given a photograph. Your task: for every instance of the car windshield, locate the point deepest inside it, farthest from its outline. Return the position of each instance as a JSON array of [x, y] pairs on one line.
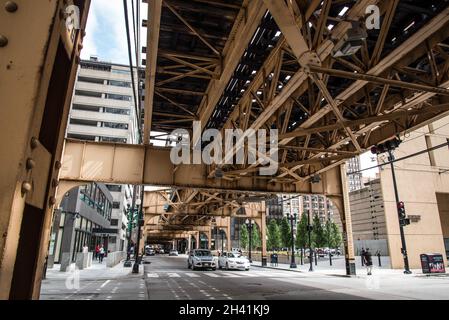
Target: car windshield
[[235, 255], [203, 253]]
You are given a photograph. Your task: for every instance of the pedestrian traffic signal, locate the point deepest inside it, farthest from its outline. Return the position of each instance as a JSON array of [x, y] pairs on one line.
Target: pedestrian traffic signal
[[401, 210], [386, 146], [404, 222]]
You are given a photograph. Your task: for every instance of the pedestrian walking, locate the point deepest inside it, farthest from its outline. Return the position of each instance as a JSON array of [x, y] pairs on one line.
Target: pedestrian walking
[[362, 256], [97, 251], [101, 254], [368, 261]]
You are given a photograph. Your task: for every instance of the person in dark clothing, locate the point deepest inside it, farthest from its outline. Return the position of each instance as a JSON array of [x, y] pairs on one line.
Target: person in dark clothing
[[363, 256], [368, 260]]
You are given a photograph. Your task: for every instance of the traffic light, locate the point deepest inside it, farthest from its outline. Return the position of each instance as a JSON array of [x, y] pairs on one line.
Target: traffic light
[[401, 210], [386, 146]]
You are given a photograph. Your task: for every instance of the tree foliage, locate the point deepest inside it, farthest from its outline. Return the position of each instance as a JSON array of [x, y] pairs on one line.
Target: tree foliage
[[319, 237], [302, 238], [244, 237], [255, 238], [285, 233], [274, 235]]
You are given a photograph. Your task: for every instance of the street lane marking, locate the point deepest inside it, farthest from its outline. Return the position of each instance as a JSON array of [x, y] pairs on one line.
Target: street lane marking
[[230, 275], [173, 275], [192, 275], [213, 275], [152, 275]]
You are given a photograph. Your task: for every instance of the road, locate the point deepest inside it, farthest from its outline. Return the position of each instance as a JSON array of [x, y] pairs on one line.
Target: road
[[167, 278]]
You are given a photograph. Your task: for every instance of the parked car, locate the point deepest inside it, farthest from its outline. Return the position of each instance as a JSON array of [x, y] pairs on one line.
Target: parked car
[[149, 252], [233, 260], [201, 259], [173, 253]]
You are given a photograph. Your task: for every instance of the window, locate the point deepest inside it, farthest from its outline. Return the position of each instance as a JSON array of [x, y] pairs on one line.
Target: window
[[89, 94], [117, 111], [113, 125], [91, 80], [110, 139], [80, 137], [116, 205], [118, 97], [84, 122], [114, 188], [85, 108], [124, 84], [114, 222], [98, 67], [120, 71]]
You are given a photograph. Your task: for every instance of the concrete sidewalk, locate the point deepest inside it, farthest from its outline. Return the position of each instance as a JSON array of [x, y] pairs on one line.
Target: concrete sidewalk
[[97, 271], [338, 268]]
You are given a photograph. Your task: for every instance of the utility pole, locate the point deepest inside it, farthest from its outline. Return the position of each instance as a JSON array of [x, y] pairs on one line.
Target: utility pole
[[388, 147], [309, 231], [401, 214]]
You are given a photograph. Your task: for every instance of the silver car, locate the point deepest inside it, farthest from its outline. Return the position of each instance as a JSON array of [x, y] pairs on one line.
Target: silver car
[[201, 259]]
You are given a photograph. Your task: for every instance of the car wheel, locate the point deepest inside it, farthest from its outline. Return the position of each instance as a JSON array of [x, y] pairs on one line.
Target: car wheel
[[227, 266], [214, 269]]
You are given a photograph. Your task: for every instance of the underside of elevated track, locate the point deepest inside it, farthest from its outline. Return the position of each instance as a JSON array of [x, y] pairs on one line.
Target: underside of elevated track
[[240, 65]]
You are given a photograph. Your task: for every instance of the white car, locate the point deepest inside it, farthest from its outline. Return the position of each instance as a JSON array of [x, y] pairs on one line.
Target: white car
[[201, 259], [233, 260]]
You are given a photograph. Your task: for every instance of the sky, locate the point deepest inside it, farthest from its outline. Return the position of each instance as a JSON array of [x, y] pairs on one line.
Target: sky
[[106, 31], [106, 39]]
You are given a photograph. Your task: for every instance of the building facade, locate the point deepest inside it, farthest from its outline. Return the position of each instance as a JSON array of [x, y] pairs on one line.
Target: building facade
[[103, 110], [284, 204], [355, 180], [368, 218], [84, 219]]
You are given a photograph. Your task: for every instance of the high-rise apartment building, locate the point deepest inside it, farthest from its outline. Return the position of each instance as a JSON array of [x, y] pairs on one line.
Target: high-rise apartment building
[[355, 179], [103, 110]]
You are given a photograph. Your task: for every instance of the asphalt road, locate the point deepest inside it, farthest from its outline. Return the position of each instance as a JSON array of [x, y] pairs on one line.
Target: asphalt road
[[167, 278]]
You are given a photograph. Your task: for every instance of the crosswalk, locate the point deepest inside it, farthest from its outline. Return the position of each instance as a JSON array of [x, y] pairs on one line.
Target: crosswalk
[[219, 274]]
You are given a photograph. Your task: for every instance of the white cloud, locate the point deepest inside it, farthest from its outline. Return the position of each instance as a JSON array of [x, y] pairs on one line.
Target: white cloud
[[106, 32]]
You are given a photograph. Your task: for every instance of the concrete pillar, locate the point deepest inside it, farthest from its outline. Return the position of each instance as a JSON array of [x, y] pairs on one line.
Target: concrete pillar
[[189, 243]]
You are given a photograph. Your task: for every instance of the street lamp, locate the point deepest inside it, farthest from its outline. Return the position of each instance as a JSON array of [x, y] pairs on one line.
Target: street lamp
[[309, 231], [389, 146], [249, 225], [222, 240], [292, 218], [329, 240], [139, 224]]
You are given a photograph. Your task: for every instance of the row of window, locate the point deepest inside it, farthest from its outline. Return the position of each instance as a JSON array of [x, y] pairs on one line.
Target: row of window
[[110, 96], [115, 83], [81, 107], [94, 197], [92, 123]]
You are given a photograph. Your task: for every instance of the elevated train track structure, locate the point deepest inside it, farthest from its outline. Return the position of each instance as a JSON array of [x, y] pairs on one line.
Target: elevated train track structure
[[251, 64]]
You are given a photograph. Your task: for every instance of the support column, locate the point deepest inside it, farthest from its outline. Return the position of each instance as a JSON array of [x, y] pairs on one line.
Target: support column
[[345, 214], [228, 234], [189, 244], [263, 232], [209, 239], [197, 240]]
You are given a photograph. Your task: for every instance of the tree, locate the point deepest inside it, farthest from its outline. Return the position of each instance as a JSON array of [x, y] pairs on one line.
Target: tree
[[328, 233], [302, 239], [336, 236], [285, 233], [319, 238], [244, 237], [255, 239], [274, 235]]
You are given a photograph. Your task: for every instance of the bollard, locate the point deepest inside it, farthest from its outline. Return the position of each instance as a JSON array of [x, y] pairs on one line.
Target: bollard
[[378, 257], [316, 259]]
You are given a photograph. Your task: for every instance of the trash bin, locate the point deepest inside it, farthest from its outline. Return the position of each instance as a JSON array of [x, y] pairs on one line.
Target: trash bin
[[432, 263], [274, 259]]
